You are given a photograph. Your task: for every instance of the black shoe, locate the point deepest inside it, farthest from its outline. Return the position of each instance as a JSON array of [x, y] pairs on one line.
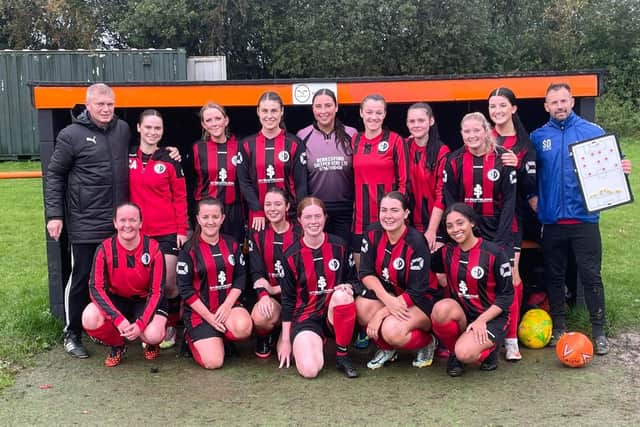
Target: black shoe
[[185, 351], [601, 345], [343, 363], [555, 336], [73, 345], [455, 368], [264, 344], [491, 362]]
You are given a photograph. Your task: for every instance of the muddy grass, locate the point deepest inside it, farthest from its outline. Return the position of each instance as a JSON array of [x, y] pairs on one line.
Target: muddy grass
[[536, 391]]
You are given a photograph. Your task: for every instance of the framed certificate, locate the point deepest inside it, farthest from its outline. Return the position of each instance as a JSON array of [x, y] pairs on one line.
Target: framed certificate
[[602, 181]]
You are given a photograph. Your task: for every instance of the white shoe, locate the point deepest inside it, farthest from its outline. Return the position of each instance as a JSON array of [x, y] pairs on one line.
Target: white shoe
[[513, 351], [424, 356], [381, 357], [169, 339]]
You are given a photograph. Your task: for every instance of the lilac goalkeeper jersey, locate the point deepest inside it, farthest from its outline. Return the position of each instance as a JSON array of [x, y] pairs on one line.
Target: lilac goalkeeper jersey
[[329, 167]]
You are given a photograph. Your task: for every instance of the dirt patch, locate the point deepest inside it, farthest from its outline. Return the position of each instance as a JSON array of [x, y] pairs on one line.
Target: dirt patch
[[247, 391], [625, 349]]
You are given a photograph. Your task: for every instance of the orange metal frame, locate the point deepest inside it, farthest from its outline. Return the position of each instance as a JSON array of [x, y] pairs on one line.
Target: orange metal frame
[[233, 93]]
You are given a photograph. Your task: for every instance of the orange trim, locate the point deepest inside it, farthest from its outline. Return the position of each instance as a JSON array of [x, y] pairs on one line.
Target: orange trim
[[235, 94], [14, 175]]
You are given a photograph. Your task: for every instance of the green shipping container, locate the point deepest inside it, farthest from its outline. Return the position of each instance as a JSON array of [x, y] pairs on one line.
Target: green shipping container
[[18, 68]]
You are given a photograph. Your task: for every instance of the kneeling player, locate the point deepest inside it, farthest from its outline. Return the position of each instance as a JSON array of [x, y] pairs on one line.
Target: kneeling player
[[317, 295], [397, 301], [126, 287], [211, 278], [473, 323]]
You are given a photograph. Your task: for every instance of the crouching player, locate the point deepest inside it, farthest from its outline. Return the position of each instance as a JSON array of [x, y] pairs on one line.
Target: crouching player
[[126, 288], [317, 295], [211, 277], [473, 323], [398, 296]]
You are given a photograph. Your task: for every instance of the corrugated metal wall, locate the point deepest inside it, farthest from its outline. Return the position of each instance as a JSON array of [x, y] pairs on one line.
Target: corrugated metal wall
[[18, 119]]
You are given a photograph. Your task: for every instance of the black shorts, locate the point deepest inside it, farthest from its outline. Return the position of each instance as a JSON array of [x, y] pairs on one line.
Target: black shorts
[[496, 328], [321, 327], [133, 308], [202, 331], [168, 244]]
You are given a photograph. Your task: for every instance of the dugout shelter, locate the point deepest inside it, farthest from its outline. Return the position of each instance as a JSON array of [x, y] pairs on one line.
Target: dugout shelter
[[179, 102]]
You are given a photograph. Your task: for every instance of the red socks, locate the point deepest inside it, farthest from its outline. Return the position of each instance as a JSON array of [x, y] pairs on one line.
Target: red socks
[[229, 335], [447, 333], [344, 322], [514, 311], [419, 339], [108, 334]]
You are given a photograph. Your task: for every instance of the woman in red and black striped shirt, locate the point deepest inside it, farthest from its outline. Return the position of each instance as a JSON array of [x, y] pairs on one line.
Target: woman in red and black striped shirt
[[126, 287], [211, 277], [379, 166], [266, 267], [271, 158], [398, 296], [472, 323], [317, 295], [476, 175], [215, 161], [511, 134]]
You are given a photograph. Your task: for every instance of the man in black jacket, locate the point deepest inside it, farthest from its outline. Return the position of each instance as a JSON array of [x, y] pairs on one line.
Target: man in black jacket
[[87, 177]]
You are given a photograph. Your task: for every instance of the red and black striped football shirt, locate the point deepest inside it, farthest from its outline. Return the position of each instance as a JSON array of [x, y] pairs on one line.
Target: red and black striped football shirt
[[425, 190], [266, 254], [488, 186], [215, 169], [265, 163], [478, 278], [135, 274], [311, 276], [208, 272], [379, 166], [402, 268]]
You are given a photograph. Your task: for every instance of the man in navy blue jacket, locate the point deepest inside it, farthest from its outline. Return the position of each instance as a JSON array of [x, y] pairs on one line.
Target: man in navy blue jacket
[[566, 222]]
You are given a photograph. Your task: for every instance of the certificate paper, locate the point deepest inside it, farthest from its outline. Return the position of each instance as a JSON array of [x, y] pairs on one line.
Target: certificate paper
[[598, 164]]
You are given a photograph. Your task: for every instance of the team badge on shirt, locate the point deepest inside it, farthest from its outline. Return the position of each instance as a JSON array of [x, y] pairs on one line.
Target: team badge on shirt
[[530, 167], [383, 146], [505, 270], [417, 264], [493, 175], [159, 168], [145, 259], [398, 263], [182, 268], [477, 272], [283, 156], [334, 264]]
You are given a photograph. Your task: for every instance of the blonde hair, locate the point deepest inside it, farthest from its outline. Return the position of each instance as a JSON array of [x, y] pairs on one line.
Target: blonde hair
[[212, 106], [490, 140]]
